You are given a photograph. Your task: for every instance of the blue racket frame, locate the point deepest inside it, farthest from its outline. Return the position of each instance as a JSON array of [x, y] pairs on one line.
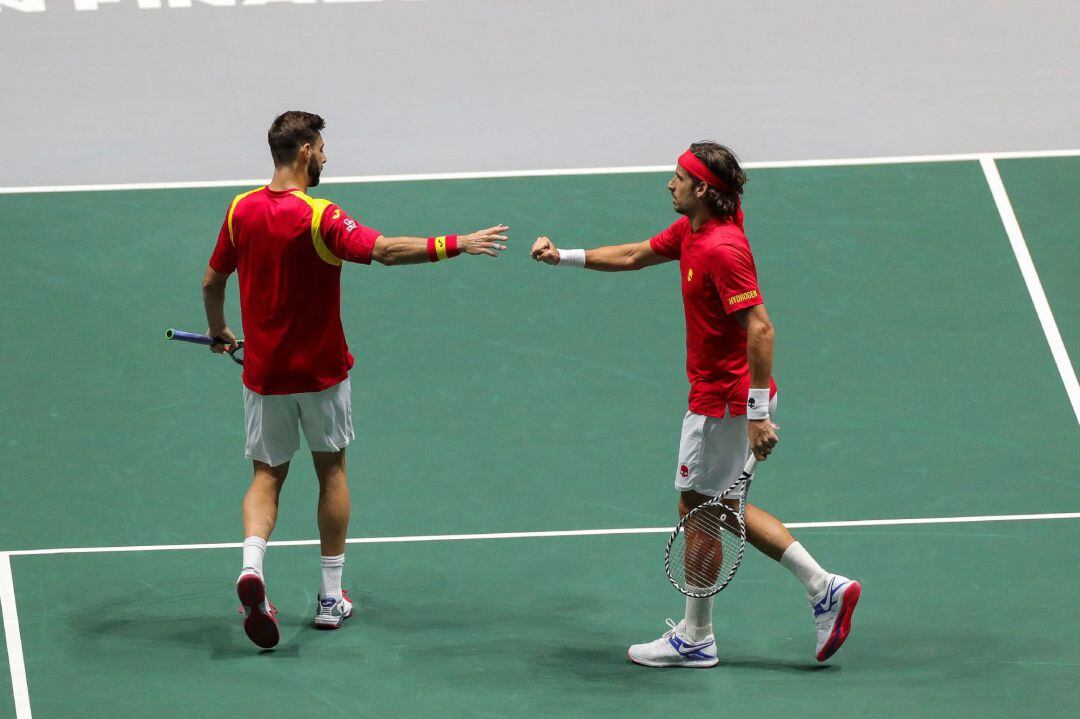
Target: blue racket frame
[[198, 339]]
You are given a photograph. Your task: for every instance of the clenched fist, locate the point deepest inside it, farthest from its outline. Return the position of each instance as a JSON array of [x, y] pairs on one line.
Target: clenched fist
[[544, 250]]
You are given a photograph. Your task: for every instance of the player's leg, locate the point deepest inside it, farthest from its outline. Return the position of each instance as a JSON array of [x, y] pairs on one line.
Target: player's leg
[[326, 418], [832, 597], [704, 557], [334, 505], [260, 511], [271, 441], [260, 515], [334, 605], [689, 643]]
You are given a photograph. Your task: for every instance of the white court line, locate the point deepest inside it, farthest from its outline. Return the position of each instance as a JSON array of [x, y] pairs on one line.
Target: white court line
[[14, 639], [1034, 285], [556, 533], [484, 175]]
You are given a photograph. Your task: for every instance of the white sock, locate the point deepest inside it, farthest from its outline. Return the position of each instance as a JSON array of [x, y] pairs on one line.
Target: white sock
[[698, 618], [332, 567], [254, 551], [799, 562]]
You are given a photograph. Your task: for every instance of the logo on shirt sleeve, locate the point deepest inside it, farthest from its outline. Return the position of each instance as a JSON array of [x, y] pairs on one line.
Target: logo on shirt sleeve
[[743, 297], [690, 275], [350, 224], [337, 214]]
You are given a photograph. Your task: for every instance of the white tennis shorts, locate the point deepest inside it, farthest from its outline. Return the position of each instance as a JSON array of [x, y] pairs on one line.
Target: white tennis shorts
[[713, 451], [272, 420]]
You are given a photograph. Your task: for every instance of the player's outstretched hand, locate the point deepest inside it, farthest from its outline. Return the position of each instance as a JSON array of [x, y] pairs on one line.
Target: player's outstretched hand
[[763, 438], [544, 250], [484, 242]]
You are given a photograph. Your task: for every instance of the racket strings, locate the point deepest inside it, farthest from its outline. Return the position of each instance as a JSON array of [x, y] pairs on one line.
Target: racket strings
[[707, 550]]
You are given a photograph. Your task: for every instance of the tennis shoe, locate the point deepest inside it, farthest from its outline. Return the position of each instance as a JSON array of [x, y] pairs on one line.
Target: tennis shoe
[[259, 622], [832, 613], [674, 649], [331, 613]]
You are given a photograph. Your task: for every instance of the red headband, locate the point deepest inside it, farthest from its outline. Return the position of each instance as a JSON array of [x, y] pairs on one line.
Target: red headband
[[701, 171]]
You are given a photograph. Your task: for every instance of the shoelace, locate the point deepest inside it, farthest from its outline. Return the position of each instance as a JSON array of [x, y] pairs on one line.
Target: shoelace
[[674, 628]]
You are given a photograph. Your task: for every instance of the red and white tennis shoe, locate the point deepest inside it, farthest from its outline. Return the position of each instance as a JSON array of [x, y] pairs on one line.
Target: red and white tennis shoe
[[832, 614], [259, 622]]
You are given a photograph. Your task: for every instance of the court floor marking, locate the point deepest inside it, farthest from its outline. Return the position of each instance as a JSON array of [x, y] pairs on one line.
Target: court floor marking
[[16, 661], [563, 172], [541, 534], [1034, 284], [17, 667]]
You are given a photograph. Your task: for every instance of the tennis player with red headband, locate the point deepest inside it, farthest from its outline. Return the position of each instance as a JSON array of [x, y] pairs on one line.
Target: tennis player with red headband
[[287, 249], [729, 357]]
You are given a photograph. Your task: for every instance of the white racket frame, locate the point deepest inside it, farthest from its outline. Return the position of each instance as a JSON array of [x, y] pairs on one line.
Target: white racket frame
[[743, 485]]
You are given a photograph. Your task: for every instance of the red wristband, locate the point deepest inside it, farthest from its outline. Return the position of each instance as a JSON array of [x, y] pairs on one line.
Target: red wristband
[[442, 248]]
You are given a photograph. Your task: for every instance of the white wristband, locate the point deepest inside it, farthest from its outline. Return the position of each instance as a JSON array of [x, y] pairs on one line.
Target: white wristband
[[757, 403], [572, 258]]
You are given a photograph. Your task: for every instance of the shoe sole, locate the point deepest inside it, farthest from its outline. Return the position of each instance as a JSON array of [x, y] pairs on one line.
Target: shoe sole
[[260, 627], [842, 627], [685, 665]]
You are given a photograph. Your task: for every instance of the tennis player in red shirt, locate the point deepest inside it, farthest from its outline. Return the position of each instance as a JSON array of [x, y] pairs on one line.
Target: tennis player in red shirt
[[287, 249], [729, 357]]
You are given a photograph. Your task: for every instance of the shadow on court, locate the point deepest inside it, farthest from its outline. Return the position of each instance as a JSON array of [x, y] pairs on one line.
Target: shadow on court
[[164, 622]]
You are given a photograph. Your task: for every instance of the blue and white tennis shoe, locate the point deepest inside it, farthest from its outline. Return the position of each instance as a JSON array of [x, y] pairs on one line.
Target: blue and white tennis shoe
[[331, 613], [832, 613], [674, 649]]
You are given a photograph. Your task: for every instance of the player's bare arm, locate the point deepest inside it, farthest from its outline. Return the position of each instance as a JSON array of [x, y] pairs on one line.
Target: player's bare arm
[[613, 258], [760, 337], [213, 289], [414, 250]]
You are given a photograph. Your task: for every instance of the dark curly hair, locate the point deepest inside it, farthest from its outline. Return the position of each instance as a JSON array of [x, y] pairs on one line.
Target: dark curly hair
[[723, 163]]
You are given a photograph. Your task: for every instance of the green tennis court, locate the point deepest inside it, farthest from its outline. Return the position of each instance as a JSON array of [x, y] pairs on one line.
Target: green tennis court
[[499, 396]]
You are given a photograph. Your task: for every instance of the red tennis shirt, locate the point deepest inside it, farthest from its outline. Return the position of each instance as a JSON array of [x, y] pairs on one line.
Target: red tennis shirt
[[718, 278], [287, 250]]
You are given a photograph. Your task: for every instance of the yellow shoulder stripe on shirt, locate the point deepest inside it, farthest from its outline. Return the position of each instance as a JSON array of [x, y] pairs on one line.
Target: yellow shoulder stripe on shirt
[[318, 207], [232, 209]]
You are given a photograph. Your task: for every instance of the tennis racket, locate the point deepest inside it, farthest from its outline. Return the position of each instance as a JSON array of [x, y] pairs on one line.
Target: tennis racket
[[704, 551], [237, 353]]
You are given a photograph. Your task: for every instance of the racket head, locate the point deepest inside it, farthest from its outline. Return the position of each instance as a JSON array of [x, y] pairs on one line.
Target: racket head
[[706, 547], [237, 353]]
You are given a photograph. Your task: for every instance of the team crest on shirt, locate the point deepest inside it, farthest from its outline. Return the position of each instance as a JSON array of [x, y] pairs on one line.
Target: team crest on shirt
[[690, 275]]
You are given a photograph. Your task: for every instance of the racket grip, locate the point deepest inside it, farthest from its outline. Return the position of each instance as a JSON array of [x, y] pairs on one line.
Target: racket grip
[[171, 334]]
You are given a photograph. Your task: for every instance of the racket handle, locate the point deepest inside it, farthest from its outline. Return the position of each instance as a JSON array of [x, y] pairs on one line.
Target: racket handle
[[171, 334], [748, 468]]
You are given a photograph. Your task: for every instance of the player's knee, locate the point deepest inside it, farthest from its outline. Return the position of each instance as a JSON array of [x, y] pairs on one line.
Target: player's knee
[[689, 500]]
